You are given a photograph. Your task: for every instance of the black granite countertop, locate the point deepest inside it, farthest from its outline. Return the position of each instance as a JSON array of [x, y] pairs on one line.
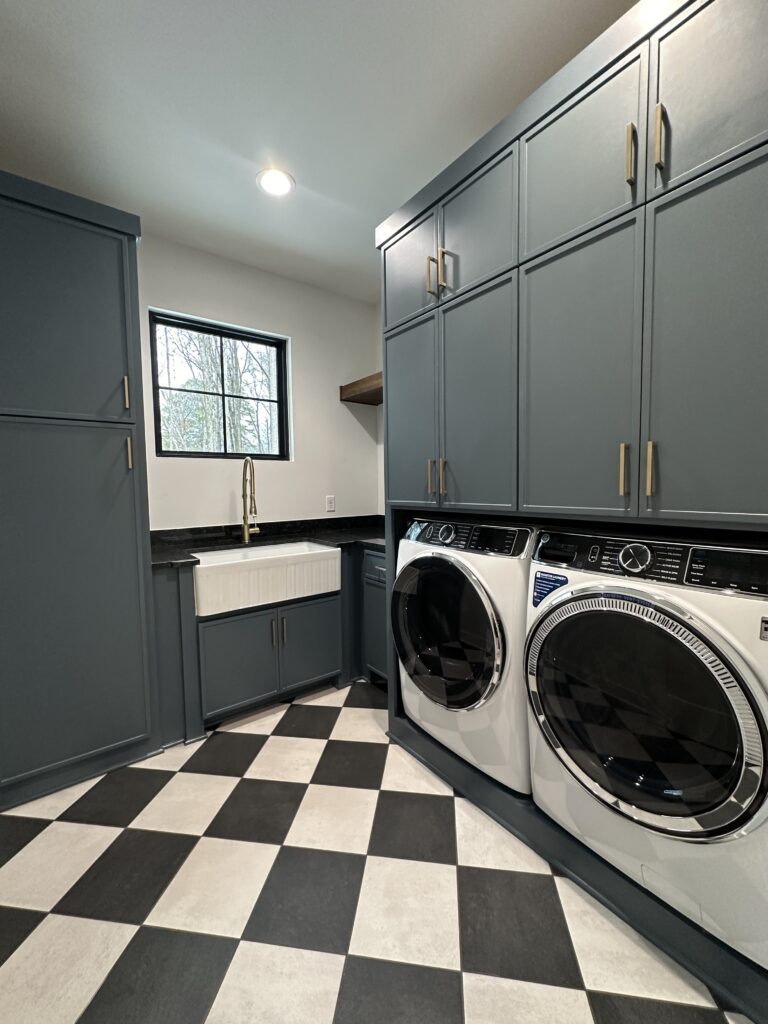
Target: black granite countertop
[[172, 548]]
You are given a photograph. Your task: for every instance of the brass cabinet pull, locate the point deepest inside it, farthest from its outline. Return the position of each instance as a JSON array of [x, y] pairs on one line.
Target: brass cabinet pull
[[658, 144], [649, 470], [273, 627], [285, 630], [129, 450], [630, 154], [623, 448], [126, 393], [430, 289], [441, 281], [443, 488], [430, 476]]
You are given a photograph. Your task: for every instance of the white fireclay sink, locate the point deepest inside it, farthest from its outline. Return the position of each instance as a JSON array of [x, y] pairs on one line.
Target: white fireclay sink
[[264, 574]]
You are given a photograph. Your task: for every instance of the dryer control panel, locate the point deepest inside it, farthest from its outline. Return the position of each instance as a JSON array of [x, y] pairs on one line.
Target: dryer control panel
[[480, 537]]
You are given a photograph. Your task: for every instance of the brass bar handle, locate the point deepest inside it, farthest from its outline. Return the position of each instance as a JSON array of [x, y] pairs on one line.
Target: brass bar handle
[[658, 143], [273, 627], [129, 451], [430, 289], [441, 281], [126, 393], [285, 631], [630, 153], [443, 488], [430, 476], [649, 470], [623, 448]]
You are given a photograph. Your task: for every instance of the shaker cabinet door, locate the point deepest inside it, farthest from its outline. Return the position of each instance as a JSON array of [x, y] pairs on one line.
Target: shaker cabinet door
[[310, 641], [580, 346], [410, 271], [238, 661], [705, 415]]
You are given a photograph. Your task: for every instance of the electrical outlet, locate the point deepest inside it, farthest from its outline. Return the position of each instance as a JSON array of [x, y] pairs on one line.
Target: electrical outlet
[[330, 503]]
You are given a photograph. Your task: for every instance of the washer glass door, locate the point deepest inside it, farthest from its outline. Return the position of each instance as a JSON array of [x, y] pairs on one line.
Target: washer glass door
[[646, 713], [446, 631]]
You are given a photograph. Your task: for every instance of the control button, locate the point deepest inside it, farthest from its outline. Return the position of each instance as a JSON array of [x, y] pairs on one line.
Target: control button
[[594, 553], [429, 531], [446, 534], [635, 558]]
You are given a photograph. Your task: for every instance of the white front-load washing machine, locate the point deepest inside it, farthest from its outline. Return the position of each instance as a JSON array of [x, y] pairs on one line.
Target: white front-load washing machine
[[647, 672], [458, 621]]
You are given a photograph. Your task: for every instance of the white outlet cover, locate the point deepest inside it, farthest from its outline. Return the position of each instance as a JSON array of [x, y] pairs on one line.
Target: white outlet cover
[[330, 503]]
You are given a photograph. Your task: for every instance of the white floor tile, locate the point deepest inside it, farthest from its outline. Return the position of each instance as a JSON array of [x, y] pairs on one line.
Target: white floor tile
[[278, 985], [489, 1000], [54, 804], [260, 722], [483, 843], [187, 803], [172, 759], [614, 958], [51, 978], [328, 698], [334, 818], [404, 773], [408, 911], [47, 867], [215, 889], [287, 759], [366, 725], [737, 1018]]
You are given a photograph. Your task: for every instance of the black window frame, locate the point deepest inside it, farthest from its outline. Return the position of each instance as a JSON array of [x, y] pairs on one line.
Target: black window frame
[[157, 317]]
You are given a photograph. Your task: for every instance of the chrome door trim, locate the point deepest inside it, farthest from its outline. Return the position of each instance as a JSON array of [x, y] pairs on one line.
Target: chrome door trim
[[729, 816], [493, 618]]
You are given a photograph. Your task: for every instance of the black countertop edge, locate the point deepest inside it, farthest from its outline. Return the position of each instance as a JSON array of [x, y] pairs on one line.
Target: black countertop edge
[[172, 548]]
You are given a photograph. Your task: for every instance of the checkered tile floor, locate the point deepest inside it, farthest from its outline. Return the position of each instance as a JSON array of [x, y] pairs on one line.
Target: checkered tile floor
[[296, 867]]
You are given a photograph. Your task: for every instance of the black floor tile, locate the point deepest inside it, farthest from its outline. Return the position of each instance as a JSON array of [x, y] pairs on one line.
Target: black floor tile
[[366, 695], [608, 1008], [305, 720], [163, 977], [258, 811], [414, 826], [347, 763], [16, 832], [225, 753], [380, 992], [309, 900], [118, 797], [512, 925], [15, 926], [129, 877]]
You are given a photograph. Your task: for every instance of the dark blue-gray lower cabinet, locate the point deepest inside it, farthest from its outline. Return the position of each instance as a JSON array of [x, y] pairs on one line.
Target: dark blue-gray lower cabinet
[[410, 271], [375, 613], [709, 89], [478, 227], [238, 661], [410, 360], [580, 361], [310, 642], [477, 463], [705, 356], [64, 316], [586, 161], [74, 656]]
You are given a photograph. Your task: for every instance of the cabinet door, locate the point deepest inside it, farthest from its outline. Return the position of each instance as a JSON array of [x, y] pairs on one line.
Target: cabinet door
[[375, 626], [410, 271], [74, 659], [581, 165], [63, 329], [705, 354], [238, 661], [310, 642], [580, 349], [478, 227], [478, 385], [709, 69], [410, 360]]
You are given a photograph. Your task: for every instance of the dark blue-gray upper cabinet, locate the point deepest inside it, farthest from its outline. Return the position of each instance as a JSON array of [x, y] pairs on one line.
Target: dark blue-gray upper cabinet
[[64, 317], [73, 644], [709, 89], [478, 387], [586, 161], [580, 348], [310, 642], [705, 357], [238, 661], [410, 396], [410, 271], [478, 227]]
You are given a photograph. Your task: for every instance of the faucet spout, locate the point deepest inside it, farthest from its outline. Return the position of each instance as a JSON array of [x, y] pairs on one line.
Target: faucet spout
[[249, 500]]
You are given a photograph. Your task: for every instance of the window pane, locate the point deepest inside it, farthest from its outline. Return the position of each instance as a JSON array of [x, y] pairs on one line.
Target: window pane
[[187, 359], [250, 369], [252, 427], [190, 422]]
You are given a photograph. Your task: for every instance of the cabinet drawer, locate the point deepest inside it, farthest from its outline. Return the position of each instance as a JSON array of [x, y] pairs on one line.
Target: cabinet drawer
[[375, 565]]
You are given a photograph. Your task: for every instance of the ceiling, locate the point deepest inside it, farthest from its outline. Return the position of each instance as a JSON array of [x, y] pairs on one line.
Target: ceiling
[[168, 108]]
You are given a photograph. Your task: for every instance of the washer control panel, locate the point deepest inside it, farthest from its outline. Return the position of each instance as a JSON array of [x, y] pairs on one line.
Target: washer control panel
[[481, 537]]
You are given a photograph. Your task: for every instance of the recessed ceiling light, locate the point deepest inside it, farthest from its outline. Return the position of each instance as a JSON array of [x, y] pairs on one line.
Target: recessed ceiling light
[[275, 182]]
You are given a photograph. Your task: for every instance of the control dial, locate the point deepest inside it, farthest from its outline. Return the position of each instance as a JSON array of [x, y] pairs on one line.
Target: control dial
[[446, 534], [635, 558]]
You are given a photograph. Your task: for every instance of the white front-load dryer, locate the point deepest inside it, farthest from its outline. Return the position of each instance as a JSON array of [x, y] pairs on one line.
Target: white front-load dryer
[[458, 621], [647, 672]]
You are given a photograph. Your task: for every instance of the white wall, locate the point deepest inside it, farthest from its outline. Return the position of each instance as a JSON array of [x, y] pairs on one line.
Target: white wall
[[335, 448]]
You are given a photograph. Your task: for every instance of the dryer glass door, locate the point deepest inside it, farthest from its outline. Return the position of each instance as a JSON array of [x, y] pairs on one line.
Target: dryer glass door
[[446, 632], [646, 713]]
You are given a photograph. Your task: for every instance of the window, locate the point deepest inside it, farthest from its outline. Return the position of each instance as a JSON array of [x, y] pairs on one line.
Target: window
[[218, 392]]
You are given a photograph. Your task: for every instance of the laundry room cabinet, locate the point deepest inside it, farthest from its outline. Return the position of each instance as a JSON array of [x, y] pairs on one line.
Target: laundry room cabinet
[[410, 271]]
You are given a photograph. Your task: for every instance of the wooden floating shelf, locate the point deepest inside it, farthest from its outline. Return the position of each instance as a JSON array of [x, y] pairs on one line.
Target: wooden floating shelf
[[366, 391]]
